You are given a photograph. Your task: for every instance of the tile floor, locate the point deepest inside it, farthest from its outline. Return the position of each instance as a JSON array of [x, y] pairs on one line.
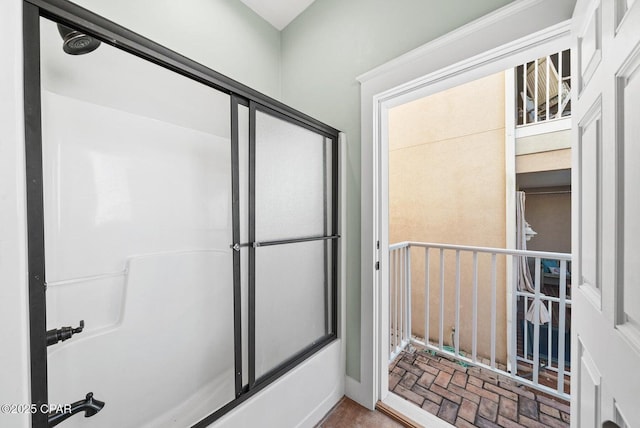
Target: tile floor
[[470, 396]]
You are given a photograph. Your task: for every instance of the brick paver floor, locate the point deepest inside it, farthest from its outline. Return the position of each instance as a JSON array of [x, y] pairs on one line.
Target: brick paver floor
[[470, 396]]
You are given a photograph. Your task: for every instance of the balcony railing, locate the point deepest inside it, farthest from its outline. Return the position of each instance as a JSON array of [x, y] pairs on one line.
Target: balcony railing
[[437, 289], [543, 89]]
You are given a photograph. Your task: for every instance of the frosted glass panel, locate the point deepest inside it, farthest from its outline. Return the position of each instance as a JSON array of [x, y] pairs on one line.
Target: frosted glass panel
[[290, 296], [138, 223], [291, 180]]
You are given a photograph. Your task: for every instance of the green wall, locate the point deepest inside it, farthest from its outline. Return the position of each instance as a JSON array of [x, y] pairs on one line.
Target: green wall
[[323, 50], [224, 35]]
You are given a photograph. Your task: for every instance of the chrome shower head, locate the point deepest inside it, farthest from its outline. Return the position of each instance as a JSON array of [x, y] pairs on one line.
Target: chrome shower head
[[75, 42]]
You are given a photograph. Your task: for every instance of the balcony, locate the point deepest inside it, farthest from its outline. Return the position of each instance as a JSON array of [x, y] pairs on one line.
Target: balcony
[[469, 340], [543, 89]]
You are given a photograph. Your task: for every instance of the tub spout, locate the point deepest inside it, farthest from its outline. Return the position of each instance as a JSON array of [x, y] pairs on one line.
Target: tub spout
[[89, 406]]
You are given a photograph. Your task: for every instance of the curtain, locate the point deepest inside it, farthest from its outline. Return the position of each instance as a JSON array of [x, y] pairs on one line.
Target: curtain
[[525, 281]]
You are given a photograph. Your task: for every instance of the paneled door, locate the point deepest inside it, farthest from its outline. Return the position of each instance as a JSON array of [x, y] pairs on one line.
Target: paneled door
[[606, 213]]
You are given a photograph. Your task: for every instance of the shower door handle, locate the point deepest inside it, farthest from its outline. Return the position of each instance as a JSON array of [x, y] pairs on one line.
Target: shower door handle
[[237, 246]]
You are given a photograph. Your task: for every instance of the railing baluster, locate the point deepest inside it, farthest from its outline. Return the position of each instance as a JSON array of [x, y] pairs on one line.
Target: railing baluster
[[403, 290], [474, 306], [559, 113], [525, 87], [441, 332], [427, 303], [525, 328], [395, 301], [535, 91], [548, 97], [550, 335], [409, 293], [514, 314], [493, 310], [536, 330], [391, 287], [562, 323], [457, 324]]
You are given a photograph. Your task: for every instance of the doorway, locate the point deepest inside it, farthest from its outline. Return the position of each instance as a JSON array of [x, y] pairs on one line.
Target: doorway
[[450, 342], [400, 93]]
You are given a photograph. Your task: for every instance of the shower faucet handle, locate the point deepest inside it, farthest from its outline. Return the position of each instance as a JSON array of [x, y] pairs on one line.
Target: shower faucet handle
[[90, 406], [61, 334]]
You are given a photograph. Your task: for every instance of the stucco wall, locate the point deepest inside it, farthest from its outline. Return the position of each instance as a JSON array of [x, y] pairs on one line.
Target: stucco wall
[[545, 142], [543, 161], [447, 185]]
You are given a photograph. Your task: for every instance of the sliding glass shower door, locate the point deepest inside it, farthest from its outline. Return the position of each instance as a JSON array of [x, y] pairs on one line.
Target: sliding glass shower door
[[182, 230]]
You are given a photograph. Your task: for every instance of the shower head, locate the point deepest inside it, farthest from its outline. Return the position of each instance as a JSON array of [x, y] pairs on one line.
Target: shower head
[[75, 42]]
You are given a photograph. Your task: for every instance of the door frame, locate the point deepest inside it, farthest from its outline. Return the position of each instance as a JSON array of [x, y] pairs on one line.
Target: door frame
[[471, 52]]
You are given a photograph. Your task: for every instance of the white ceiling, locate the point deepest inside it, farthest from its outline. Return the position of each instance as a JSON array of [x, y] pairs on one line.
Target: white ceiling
[[278, 13]]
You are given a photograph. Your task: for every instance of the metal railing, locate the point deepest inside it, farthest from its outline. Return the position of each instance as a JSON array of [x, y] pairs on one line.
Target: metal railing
[[432, 292]]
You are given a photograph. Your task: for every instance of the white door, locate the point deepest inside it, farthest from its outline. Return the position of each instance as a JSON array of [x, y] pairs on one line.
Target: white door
[[606, 246]]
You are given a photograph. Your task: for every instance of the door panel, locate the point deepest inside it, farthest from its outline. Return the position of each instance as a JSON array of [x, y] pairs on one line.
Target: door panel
[[628, 114], [590, 46], [621, 9], [589, 148], [606, 304], [589, 390]]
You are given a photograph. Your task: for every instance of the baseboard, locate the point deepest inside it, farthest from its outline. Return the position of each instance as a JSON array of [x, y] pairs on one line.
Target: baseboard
[[359, 393]]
